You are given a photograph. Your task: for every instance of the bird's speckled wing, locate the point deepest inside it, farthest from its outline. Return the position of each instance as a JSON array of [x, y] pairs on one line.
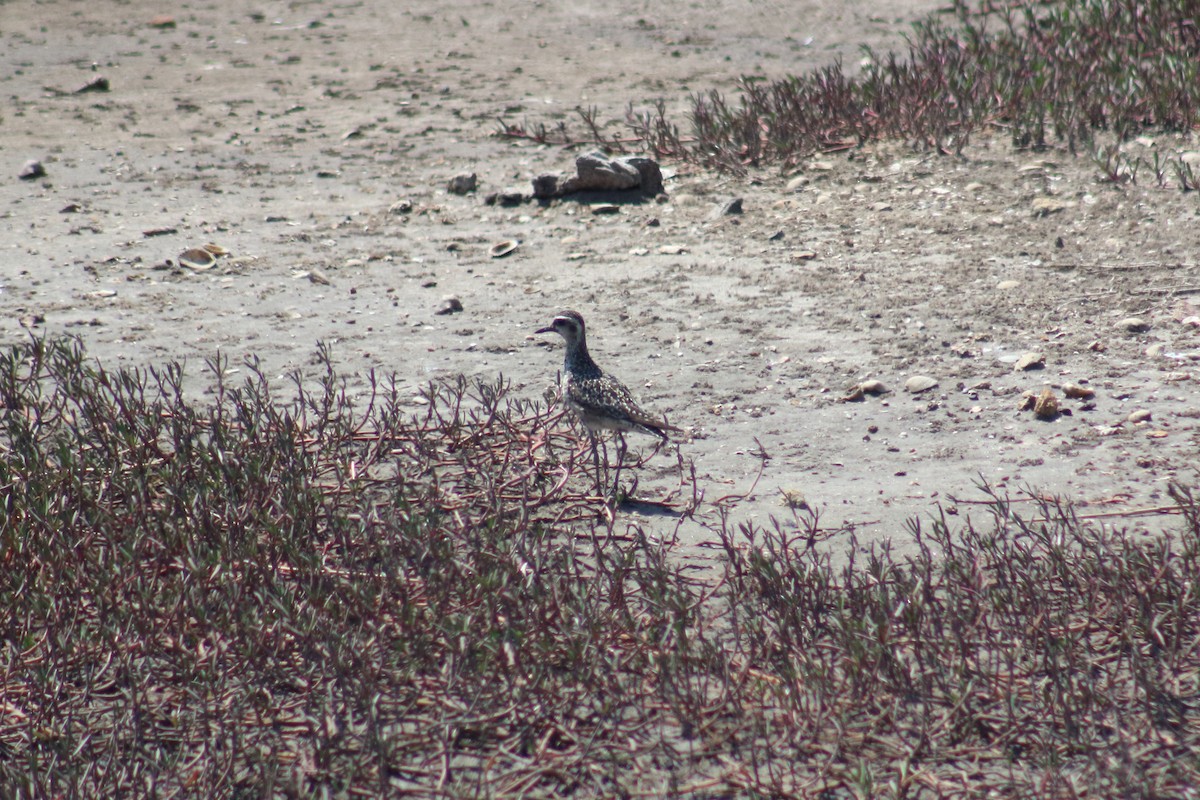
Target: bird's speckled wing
[[605, 403]]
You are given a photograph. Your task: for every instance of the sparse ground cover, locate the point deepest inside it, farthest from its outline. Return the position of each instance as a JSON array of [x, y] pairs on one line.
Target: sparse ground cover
[[272, 596]]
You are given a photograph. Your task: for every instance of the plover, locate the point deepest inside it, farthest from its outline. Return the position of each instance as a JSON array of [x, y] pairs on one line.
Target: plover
[[597, 399], [600, 401]]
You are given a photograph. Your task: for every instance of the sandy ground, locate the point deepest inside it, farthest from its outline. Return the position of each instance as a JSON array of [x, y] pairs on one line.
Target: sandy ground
[[313, 141]]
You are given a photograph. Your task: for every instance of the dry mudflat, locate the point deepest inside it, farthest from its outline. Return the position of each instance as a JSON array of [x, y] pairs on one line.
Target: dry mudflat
[[313, 142]]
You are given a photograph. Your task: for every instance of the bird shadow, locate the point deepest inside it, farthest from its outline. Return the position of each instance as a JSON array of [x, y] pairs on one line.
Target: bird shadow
[[649, 508]]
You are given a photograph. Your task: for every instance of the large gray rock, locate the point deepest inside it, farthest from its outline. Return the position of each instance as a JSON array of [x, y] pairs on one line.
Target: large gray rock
[[598, 172]]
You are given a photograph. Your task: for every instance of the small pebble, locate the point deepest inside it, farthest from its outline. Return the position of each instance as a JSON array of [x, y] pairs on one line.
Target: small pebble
[[919, 383], [1077, 392], [463, 183], [1141, 415], [1046, 405], [450, 305], [32, 171], [1045, 206], [1134, 325], [1029, 361]]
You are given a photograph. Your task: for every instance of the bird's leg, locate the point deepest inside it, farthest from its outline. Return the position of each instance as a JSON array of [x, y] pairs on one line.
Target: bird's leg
[[621, 448], [596, 462]]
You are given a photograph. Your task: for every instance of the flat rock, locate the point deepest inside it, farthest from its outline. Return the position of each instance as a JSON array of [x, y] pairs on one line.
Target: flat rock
[[919, 383], [727, 209], [1045, 206], [1077, 392], [1029, 361], [1134, 325]]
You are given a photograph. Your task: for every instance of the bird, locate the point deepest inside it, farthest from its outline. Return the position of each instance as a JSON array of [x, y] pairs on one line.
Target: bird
[[598, 400]]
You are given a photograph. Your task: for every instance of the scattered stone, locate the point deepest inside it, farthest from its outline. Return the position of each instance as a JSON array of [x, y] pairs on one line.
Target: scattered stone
[[318, 277], [463, 183], [400, 207], [919, 383], [778, 235], [727, 209], [649, 174], [32, 171], [1045, 206], [803, 255], [671, 249], [1192, 322], [546, 186], [159, 232], [1046, 405], [1006, 286], [601, 209], [101, 294], [820, 166], [96, 84], [1140, 415], [162, 22], [855, 395], [197, 258], [1134, 325], [503, 248], [1030, 361], [507, 198], [1077, 392], [797, 183], [859, 391], [31, 320], [881, 206], [450, 305]]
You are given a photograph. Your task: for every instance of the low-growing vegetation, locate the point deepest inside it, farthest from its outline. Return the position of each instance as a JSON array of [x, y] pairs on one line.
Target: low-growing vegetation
[[254, 595], [1084, 74]]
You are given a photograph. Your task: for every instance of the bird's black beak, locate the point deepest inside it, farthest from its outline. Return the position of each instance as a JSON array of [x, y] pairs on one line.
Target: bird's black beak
[[545, 330]]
